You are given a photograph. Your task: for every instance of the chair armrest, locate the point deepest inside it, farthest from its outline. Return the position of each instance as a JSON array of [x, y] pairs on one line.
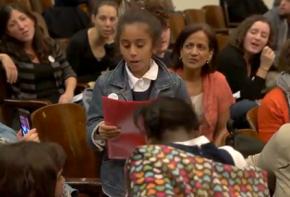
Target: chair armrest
[[248, 132], [27, 104]]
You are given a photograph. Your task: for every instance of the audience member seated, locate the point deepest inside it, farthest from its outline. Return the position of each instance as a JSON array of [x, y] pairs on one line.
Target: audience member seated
[[245, 62], [274, 109], [31, 169], [64, 21], [139, 76], [171, 163], [92, 50], [8, 135], [173, 122], [159, 170], [278, 17], [35, 66], [275, 158], [160, 9], [195, 51]]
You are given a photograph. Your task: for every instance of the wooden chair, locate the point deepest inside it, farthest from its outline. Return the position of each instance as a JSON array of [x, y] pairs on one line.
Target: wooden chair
[[252, 118], [222, 40], [176, 23], [215, 18], [41, 5], [65, 124], [194, 16]]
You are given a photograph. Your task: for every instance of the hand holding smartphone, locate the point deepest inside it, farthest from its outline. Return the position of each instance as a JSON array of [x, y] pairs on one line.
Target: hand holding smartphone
[[24, 119]]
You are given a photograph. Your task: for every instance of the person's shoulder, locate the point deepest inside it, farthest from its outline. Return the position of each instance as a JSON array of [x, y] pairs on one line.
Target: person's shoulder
[[109, 76], [218, 79], [79, 37], [238, 158], [229, 54], [174, 77], [217, 76], [274, 96], [276, 93], [230, 51], [272, 13], [105, 76]]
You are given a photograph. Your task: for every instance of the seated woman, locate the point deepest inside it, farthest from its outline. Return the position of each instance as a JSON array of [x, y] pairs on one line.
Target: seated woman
[[35, 173], [195, 49], [173, 122], [34, 64], [274, 109], [92, 50], [245, 62]]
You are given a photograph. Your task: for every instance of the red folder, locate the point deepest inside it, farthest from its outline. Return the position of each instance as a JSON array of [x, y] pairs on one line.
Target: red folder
[[121, 113]]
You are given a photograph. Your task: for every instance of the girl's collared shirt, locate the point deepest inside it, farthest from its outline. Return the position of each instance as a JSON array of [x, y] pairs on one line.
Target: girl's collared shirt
[[142, 84]]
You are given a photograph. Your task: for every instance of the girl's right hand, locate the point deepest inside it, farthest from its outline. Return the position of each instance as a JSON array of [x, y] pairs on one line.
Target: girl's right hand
[[32, 135], [9, 67], [108, 131], [267, 58]]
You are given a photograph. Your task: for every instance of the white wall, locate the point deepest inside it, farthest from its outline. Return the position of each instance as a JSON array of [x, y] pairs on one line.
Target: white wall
[[185, 4]]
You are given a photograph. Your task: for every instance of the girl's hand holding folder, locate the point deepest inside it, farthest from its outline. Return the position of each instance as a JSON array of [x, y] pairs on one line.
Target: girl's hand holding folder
[[108, 131]]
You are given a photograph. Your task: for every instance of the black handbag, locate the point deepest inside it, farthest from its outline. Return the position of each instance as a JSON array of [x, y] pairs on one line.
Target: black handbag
[[245, 141]]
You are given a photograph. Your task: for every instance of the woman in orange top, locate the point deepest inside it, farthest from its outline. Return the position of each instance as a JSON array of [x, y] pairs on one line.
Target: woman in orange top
[[210, 93], [274, 112]]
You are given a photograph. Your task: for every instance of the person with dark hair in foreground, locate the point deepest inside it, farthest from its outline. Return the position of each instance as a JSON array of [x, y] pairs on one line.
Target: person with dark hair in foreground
[[173, 122], [31, 169], [177, 161]]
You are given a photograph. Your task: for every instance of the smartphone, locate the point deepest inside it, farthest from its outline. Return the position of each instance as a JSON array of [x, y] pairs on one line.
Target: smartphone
[[24, 119]]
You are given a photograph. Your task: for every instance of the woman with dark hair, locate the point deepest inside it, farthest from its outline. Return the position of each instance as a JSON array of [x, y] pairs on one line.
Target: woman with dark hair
[[91, 51], [245, 62], [31, 169], [34, 64], [274, 109], [195, 50]]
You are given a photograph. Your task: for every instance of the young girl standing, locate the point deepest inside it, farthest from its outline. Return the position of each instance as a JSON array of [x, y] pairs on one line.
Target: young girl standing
[[139, 76]]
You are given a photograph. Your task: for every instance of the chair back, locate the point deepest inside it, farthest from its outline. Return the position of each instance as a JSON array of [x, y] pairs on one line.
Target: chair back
[[223, 40], [214, 16], [194, 16], [252, 118], [65, 124], [176, 23]]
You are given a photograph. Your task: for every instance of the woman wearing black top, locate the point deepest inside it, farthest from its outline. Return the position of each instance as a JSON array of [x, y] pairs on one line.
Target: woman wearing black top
[[91, 51], [245, 62]]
